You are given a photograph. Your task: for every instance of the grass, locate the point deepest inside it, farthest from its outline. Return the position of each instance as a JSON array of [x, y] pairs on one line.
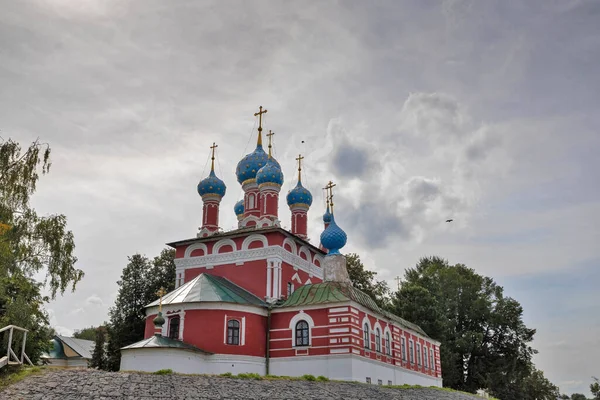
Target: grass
[[14, 375], [163, 372]]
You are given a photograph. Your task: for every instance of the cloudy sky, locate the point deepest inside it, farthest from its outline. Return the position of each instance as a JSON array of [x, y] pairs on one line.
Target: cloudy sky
[[485, 112]]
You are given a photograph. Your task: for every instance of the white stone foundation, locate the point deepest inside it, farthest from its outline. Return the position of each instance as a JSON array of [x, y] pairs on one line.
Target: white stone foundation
[[349, 367], [189, 362]]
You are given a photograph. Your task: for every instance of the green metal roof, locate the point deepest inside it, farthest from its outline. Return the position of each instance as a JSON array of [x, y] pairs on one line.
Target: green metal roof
[[210, 288], [338, 292], [157, 341]]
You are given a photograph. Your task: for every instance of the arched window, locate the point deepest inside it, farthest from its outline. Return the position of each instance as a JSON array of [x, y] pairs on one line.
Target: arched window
[[233, 332], [174, 328], [302, 334], [388, 345], [378, 340], [366, 336], [250, 202]]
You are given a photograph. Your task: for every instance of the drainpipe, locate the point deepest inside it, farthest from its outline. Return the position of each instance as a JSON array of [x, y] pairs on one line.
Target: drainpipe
[[268, 338]]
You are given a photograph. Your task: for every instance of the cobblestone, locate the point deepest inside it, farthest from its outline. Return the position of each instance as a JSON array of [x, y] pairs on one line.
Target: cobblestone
[[97, 385]]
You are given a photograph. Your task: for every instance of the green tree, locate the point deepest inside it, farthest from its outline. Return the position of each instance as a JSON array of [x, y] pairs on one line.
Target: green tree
[[578, 396], [30, 245], [365, 281], [595, 388], [98, 360], [140, 280], [485, 343], [87, 333], [536, 387]]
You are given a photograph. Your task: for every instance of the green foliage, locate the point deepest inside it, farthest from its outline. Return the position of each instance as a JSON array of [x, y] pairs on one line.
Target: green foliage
[[365, 281], [251, 375], [164, 372], [227, 374], [578, 396], [30, 245], [322, 378], [140, 280], [595, 388], [308, 377], [98, 360], [485, 343], [16, 374], [87, 333]]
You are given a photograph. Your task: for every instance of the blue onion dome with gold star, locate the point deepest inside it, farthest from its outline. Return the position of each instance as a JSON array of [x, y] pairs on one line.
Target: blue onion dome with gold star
[[212, 185], [299, 195], [248, 166], [270, 173], [333, 238], [239, 207], [327, 216]]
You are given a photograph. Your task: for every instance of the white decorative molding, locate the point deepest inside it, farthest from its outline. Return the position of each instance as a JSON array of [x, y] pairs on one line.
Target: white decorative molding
[[292, 244], [296, 277], [258, 310], [301, 316], [249, 255], [306, 252], [244, 222], [196, 246], [254, 238], [319, 258], [224, 242]]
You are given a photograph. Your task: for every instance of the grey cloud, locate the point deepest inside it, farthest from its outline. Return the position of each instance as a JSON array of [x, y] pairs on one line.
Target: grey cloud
[[350, 161]]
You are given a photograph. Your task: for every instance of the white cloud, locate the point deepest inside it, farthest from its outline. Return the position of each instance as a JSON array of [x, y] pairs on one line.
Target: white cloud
[[94, 300]]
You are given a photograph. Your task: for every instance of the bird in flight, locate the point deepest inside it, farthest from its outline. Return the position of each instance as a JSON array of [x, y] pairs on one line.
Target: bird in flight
[[449, 220]]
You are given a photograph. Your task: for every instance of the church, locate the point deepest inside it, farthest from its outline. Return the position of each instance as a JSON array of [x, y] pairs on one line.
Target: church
[[262, 299]]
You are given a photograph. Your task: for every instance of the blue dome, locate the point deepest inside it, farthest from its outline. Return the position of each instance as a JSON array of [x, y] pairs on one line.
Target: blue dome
[[333, 238], [248, 166], [212, 185], [270, 173], [327, 216], [239, 207], [299, 195]]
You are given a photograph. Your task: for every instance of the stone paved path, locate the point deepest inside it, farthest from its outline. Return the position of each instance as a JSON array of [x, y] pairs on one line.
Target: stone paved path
[[89, 384]]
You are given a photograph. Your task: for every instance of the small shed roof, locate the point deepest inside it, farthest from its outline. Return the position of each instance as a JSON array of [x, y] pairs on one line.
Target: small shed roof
[[158, 341]]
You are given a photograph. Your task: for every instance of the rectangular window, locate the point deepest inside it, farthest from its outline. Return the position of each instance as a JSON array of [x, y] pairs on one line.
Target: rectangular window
[[233, 332], [418, 354], [290, 289], [411, 350], [389, 383], [388, 345], [368, 380], [403, 349], [432, 364], [425, 357], [379, 382]]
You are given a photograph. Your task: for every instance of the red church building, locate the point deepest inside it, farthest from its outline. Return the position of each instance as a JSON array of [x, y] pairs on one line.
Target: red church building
[[262, 299]]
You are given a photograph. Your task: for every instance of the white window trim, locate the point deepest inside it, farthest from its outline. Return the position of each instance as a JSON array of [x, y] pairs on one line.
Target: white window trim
[[301, 316]]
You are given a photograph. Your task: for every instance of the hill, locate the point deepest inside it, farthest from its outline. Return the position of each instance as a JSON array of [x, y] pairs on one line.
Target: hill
[[91, 384]]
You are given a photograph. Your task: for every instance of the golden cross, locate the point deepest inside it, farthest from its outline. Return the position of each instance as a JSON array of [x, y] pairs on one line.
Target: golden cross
[[269, 136], [259, 114], [329, 187], [161, 292], [212, 165], [299, 159]]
